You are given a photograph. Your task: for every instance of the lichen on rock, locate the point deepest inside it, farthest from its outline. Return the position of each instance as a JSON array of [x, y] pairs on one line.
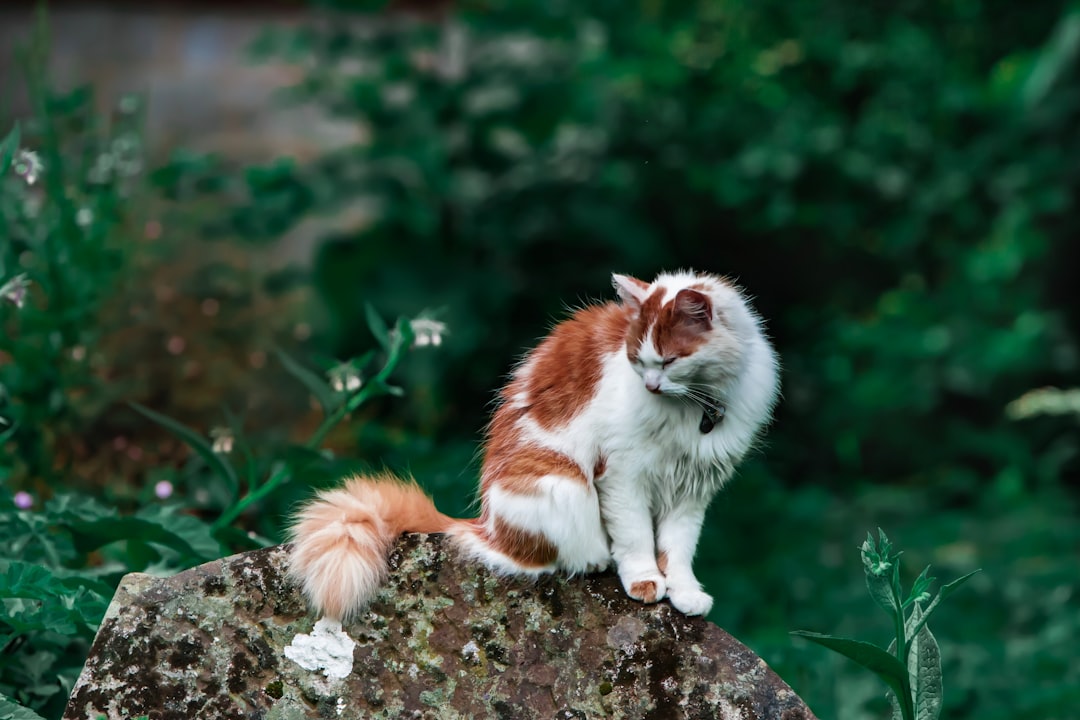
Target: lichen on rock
[[443, 639]]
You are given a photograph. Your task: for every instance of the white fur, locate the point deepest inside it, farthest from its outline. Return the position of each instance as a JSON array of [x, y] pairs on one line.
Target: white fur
[[661, 470]]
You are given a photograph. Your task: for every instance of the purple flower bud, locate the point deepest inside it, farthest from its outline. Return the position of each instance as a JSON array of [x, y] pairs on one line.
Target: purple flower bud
[[163, 489], [24, 500]]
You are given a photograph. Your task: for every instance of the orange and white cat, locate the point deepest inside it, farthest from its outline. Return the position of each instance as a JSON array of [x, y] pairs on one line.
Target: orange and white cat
[[607, 445]]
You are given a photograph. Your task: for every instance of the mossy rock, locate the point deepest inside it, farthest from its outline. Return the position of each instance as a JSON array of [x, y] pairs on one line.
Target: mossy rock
[[444, 639]]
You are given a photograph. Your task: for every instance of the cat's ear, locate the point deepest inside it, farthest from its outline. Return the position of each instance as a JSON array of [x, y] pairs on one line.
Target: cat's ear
[[695, 307], [632, 292]]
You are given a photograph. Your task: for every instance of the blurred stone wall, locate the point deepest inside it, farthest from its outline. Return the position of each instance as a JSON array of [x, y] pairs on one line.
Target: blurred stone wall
[[187, 61]]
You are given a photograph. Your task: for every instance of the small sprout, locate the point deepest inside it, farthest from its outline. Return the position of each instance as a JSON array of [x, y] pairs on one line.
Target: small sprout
[[223, 440], [23, 500], [14, 290], [163, 489], [28, 166]]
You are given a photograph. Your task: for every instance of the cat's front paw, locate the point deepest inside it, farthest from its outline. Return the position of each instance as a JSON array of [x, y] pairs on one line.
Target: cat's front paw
[[646, 588], [690, 601]]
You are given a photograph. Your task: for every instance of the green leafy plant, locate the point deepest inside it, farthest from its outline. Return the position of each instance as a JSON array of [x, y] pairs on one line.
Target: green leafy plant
[[911, 666], [247, 478]]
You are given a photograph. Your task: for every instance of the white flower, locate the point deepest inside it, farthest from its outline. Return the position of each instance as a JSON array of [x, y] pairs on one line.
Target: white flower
[[345, 379], [84, 217], [427, 332], [223, 440], [14, 290], [28, 166]]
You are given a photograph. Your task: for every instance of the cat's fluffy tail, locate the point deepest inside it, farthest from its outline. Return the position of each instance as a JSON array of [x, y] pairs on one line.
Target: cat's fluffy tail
[[342, 539]]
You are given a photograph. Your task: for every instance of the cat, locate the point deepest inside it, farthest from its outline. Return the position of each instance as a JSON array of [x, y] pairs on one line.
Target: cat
[[607, 445]]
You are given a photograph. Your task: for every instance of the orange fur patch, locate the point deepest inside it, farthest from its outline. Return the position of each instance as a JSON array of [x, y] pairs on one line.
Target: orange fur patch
[[516, 468], [528, 549], [682, 324], [643, 591], [640, 325], [566, 367], [661, 561]]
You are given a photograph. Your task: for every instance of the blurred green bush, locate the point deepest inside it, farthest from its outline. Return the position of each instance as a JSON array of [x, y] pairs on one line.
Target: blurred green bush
[[893, 188]]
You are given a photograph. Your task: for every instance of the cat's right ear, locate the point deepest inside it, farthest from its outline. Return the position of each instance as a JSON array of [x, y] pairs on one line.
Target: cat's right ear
[[632, 292]]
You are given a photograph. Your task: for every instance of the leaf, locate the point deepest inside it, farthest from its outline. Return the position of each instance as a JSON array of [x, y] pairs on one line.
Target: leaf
[[945, 591], [24, 580], [924, 666], [378, 326], [873, 658], [1054, 60], [11, 710], [155, 524], [920, 586], [314, 382], [193, 531], [8, 147], [197, 443], [897, 713]]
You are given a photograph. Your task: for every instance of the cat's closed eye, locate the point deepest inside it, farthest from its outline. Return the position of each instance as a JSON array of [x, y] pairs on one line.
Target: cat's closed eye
[[668, 361]]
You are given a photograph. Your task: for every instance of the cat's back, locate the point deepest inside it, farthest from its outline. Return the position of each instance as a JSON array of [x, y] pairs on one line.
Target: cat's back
[[561, 375]]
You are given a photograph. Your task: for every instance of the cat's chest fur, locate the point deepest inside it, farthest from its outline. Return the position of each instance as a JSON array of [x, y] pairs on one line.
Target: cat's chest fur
[[659, 439]]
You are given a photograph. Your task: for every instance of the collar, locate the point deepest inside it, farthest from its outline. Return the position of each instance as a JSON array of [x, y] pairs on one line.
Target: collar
[[712, 414]]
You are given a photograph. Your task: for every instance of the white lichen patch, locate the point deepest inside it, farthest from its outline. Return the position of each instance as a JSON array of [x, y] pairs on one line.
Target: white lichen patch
[[328, 649], [471, 651]]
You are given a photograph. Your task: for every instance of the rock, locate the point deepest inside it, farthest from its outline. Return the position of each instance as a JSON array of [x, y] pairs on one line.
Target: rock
[[444, 639]]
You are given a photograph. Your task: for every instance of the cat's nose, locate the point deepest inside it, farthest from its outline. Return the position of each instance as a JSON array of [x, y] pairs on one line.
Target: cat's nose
[[653, 379]]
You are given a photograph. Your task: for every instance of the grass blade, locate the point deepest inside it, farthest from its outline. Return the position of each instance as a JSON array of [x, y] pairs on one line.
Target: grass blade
[[314, 382]]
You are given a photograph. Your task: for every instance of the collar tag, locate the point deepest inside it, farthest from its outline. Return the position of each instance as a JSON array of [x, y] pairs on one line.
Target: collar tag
[[712, 414]]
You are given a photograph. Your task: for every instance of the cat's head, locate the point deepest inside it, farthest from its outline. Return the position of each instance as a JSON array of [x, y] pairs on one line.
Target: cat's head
[[687, 331]]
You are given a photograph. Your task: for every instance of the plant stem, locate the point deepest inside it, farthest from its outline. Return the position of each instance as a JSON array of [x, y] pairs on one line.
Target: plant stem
[[369, 391]]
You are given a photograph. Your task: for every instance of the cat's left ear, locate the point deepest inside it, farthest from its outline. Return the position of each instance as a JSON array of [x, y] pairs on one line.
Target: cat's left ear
[[695, 307], [632, 292]]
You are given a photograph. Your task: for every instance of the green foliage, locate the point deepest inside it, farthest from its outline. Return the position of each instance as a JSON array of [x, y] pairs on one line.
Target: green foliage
[[67, 206], [350, 385], [72, 553], [912, 666], [889, 191], [67, 211]]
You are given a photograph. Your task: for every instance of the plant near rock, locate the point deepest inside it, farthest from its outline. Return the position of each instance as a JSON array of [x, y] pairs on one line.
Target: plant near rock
[[68, 203], [245, 478], [911, 667]]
